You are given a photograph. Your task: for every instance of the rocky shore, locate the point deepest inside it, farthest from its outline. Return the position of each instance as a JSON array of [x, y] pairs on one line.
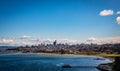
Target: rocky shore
[[114, 66], [104, 67]]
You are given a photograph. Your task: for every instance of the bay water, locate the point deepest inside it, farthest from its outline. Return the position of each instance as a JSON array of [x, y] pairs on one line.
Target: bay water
[[47, 62]]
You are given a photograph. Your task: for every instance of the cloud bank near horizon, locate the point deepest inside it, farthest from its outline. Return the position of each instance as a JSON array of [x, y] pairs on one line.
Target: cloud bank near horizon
[[110, 40], [30, 40], [36, 41], [6, 42]]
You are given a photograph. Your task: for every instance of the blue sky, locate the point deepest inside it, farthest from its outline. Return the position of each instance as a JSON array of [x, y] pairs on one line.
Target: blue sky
[[59, 19]]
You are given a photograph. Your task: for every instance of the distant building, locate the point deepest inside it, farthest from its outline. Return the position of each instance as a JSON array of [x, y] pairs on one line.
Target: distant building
[[55, 43]]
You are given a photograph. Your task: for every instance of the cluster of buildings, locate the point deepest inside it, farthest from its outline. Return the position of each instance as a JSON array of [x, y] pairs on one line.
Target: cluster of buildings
[[69, 49]]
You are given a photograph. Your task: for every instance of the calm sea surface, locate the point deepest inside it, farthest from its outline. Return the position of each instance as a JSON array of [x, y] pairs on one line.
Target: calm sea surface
[[46, 62]]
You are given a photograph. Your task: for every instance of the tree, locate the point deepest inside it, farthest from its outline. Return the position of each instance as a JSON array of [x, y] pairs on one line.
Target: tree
[[116, 66]]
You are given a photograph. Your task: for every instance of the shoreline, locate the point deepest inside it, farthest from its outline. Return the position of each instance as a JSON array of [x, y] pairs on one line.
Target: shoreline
[[78, 54], [111, 58], [108, 56]]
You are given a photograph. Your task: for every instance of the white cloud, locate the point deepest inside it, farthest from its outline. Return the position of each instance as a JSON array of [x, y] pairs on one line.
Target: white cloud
[[6, 42], [118, 20], [106, 12], [118, 12], [25, 43], [105, 40], [68, 41], [35, 41], [25, 37], [91, 39], [60, 41]]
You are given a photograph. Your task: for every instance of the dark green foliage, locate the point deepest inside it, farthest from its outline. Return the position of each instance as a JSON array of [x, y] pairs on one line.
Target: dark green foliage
[[116, 65]]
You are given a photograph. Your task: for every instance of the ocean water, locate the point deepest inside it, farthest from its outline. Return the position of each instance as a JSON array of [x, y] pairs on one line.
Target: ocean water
[[46, 62]]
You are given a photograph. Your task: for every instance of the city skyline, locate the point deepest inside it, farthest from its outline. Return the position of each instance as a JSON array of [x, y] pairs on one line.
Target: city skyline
[[67, 21]]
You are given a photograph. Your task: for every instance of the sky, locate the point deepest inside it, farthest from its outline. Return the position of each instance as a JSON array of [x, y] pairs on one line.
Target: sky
[[71, 21]]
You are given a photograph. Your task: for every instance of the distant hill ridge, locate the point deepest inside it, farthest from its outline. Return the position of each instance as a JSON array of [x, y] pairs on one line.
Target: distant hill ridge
[[6, 47]]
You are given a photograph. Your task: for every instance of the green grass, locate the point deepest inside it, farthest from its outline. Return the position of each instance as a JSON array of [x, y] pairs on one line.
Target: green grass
[[109, 55], [100, 54]]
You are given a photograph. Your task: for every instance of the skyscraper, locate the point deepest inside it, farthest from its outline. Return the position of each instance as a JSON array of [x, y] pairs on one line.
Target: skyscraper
[[55, 43]]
